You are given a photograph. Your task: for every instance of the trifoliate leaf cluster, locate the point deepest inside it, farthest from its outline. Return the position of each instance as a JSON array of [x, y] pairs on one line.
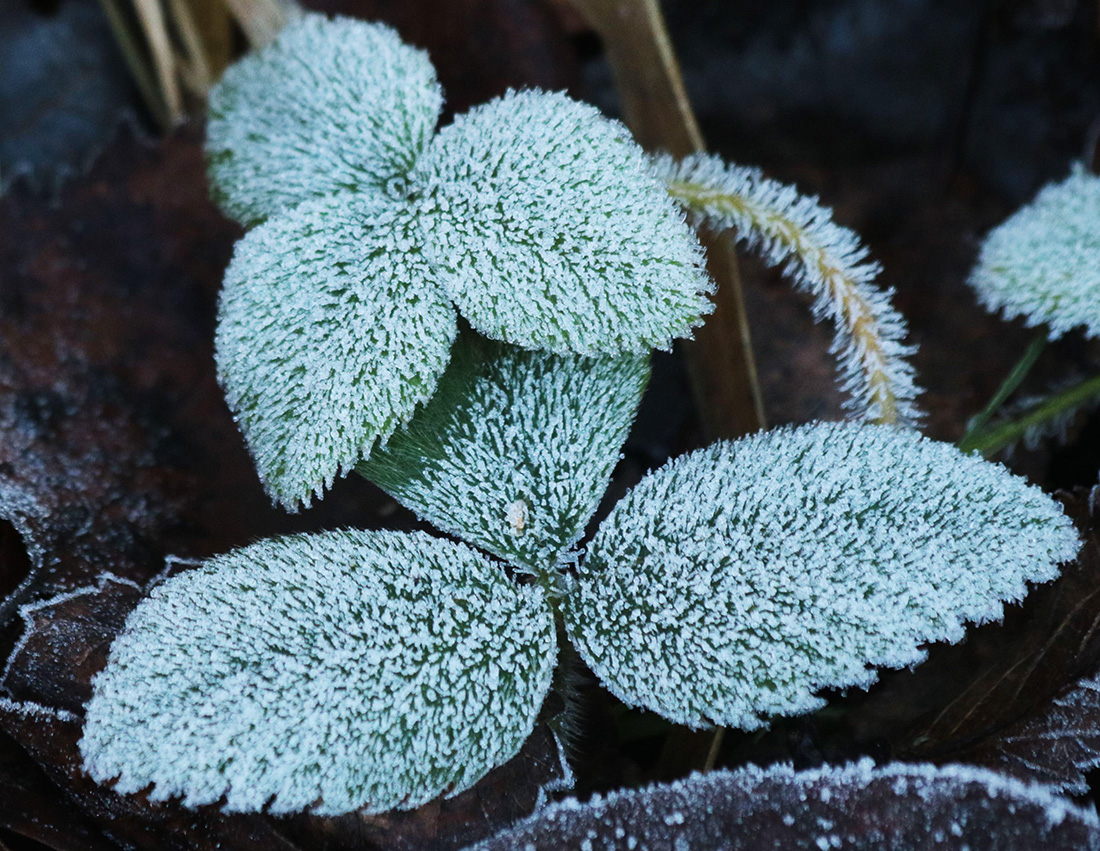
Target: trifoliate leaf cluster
[[332, 672], [736, 582], [540, 219], [368, 671], [1043, 263]]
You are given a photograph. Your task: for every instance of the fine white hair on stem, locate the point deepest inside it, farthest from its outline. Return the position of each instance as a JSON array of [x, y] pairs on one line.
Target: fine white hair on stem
[[822, 258]]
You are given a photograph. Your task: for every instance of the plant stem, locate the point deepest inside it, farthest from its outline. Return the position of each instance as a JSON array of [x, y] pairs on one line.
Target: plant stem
[[1008, 387], [1007, 433]]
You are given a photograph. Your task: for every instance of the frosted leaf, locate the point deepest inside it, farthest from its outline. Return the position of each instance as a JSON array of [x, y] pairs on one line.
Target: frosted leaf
[[553, 232], [823, 259], [332, 672], [515, 449], [331, 331], [856, 806], [1043, 263], [734, 583], [330, 105]]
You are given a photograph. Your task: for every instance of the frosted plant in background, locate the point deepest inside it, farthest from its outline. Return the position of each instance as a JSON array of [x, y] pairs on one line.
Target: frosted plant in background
[[541, 221], [367, 671], [1042, 264]]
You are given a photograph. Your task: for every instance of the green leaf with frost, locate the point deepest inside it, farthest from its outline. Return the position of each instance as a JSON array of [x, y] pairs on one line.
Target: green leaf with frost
[[1043, 263], [330, 105], [736, 582], [515, 449], [550, 230], [333, 672], [331, 330]]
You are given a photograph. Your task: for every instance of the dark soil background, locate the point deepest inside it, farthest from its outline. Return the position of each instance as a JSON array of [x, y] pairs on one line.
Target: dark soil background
[[923, 123]]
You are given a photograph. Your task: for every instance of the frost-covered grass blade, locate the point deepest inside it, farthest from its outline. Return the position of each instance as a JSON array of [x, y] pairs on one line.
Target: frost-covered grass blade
[[1043, 263], [333, 672], [331, 331], [515, 449], [551, 232], [823, 259], [736, 582], [330, 105]]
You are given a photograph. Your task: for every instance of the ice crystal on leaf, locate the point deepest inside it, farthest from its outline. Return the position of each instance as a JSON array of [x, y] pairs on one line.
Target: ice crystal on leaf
[[822, 258], [330, 105], [331, 331], [1043, 263], [333, 672], [550, 230], [856, 806], [515, 449], [735, 582]]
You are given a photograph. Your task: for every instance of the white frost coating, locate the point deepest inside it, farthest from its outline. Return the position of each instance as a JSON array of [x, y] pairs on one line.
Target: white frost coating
[[1043, 263], [29, 611], [516, 448], [331, 331], [35, 711], [735, 582], [330, 105], [858, 805], [823, 259], [330, 672], [553, 232]]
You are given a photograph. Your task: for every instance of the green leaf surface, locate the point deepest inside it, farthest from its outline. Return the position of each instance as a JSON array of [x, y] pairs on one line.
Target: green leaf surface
[[331, 331], [330, 105], [516, 448], [736, 582], [333, 672], [551, 230]]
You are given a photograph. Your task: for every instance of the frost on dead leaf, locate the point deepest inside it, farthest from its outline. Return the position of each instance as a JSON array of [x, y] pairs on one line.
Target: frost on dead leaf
[[516, 448], [333, 672], [331, 331], [900, 807], [551, 231], [329, 106], [736, 582]]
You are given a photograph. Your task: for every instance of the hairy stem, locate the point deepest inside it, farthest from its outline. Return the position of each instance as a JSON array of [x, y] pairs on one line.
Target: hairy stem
[[824, 260]]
